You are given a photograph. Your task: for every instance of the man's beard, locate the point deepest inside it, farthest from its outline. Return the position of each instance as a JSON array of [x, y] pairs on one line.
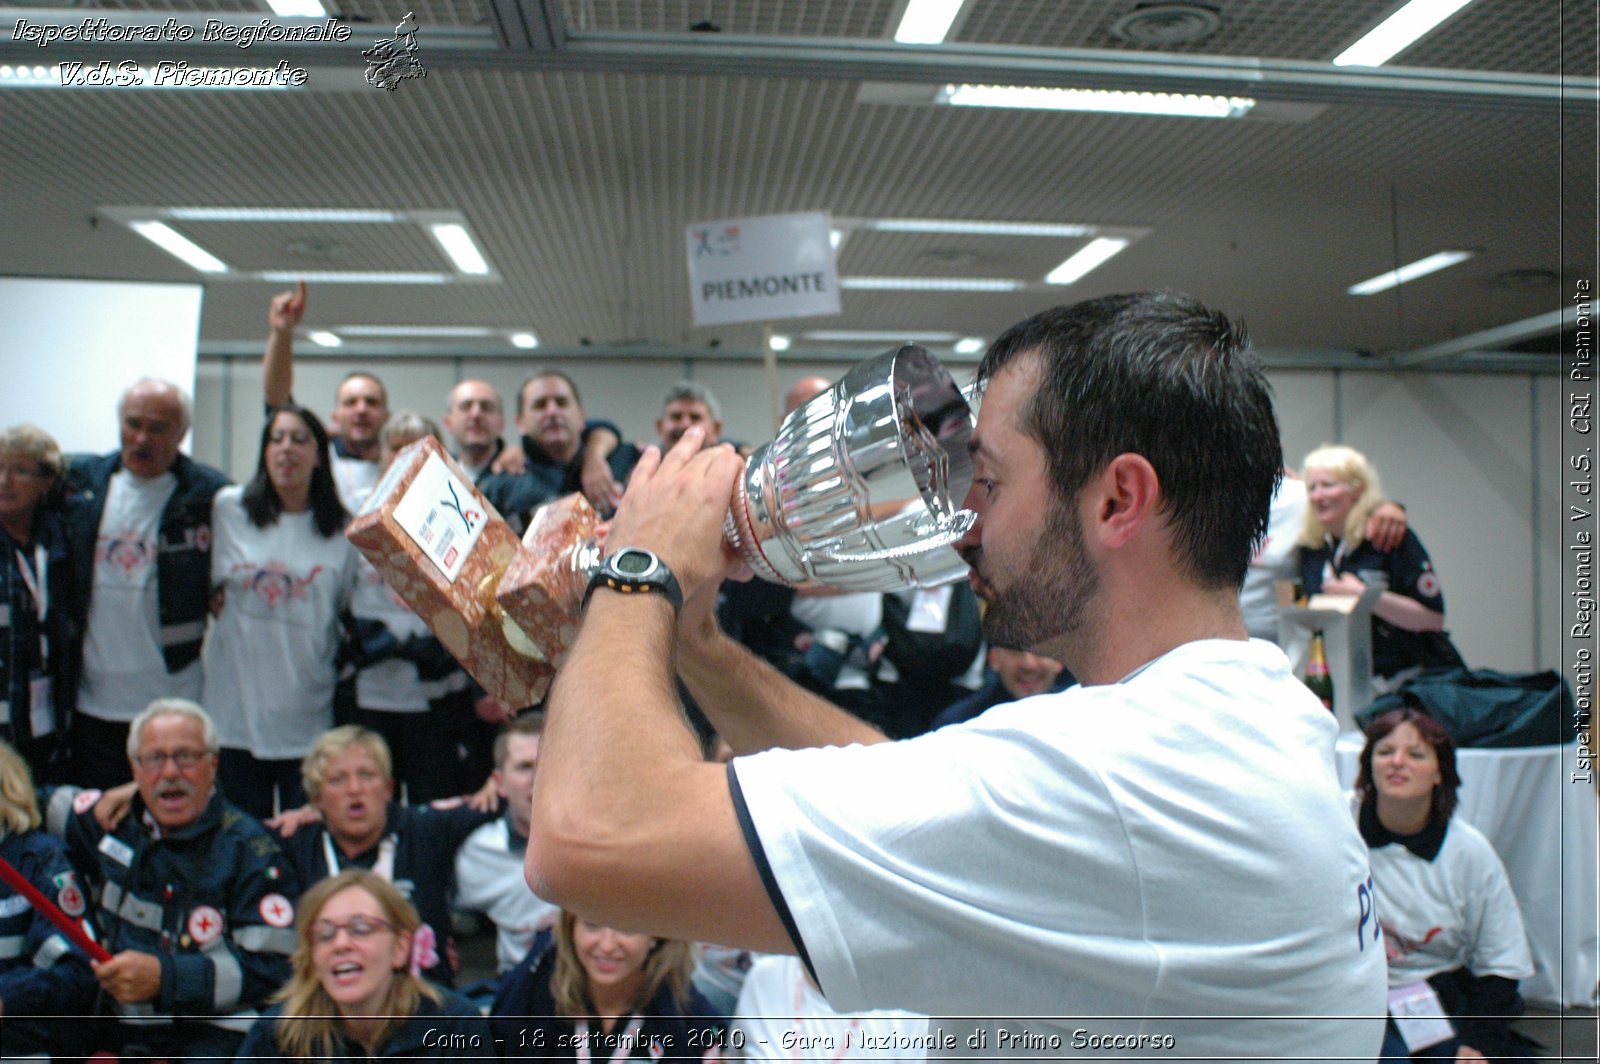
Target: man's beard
[[1052, 599]]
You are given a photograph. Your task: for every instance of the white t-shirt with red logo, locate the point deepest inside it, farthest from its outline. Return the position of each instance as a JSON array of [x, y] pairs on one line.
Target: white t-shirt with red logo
[[123, 667], [269, 662]]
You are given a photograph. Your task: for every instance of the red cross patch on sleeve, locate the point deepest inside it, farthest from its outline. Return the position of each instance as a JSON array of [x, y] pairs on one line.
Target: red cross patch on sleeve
[[205, 925], [277, 910]]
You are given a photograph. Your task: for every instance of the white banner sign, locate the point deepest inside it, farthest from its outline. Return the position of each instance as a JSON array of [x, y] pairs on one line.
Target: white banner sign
[[761, 269]]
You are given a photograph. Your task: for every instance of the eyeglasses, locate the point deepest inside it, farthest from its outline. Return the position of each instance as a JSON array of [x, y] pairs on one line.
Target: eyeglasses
[[184, 759], [23, 472], [356, 927]]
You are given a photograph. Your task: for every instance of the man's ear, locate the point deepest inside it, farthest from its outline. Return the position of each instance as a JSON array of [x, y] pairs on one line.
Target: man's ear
[[1127, 494]]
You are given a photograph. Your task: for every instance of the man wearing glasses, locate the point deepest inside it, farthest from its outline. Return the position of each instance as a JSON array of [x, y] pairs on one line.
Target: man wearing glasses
[[193, 896]]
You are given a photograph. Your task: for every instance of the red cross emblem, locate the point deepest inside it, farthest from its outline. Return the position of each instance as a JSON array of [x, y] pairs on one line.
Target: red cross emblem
[[276, 910], [69, 899], [205, 925]]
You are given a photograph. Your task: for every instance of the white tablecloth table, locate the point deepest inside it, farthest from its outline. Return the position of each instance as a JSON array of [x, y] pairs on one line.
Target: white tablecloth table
[[1543, 824]]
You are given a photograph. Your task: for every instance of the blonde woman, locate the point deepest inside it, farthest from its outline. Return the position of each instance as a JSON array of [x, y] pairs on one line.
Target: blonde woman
[[38, 651], [602, 994], [42, 974], [354, 994], [1408, 634]]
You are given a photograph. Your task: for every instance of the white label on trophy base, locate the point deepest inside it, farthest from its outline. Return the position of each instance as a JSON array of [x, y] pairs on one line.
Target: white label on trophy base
[[442, 516]]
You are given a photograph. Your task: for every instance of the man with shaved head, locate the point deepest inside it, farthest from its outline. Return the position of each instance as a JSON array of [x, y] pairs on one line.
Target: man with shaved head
[[139, 531], [475, 417]]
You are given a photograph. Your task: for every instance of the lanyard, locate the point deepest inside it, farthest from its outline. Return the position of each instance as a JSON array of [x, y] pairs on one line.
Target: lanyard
[[625, 1042], [38, 586], [383, 867]]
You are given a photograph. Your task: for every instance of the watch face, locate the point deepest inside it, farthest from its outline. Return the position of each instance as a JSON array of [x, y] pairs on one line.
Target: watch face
[[634, 562]]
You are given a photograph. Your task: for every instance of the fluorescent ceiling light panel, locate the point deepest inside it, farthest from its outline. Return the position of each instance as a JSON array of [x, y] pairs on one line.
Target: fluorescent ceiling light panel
[[416, 330], [175, 243], [1410, 272], [325, 338], [835, 238], [526, 341], [1397, 32], [1089, 257], [779, 342], [927, 21], [297, 8], [459, 245], [951, 225], [1108, 101], [969, 345], [351, 277], [932, 284], [869, 337], [277, 214]]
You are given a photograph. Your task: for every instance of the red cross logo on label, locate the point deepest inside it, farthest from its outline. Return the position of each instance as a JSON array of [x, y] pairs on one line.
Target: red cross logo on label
[[69, 899], [276, 910], [205, 925], [84, 801]]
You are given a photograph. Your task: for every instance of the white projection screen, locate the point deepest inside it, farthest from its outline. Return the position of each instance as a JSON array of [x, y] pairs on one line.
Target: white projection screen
[[71, 347]]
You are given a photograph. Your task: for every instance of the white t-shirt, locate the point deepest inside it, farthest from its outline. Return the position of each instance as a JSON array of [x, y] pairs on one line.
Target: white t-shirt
[[782, 1018], [355, 478], [1170, 848], [490, 880], [270, 658], [1454, 911], [123, 667], [392, 684], [1274, 561]]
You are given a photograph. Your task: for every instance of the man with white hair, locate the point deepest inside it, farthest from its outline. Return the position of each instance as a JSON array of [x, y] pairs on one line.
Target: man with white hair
[[193, 897], [139, 535]]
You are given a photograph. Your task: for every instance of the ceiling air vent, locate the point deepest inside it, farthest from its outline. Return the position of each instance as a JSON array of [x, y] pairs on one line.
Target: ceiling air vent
[[1166, 25]]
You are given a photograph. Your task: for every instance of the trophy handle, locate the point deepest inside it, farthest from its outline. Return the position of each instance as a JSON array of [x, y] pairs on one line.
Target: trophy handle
[[948, 530]]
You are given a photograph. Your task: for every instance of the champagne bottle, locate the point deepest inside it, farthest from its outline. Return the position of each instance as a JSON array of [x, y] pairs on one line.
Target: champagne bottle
[[1317, 677]]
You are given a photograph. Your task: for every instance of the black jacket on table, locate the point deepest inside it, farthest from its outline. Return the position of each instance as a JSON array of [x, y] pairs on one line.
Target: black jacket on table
[[425, 839], [451, 1028], [526, 1026], [183, 561], [213, 901]]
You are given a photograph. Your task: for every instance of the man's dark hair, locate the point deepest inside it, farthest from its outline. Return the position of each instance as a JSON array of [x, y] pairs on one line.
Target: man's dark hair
[[260, 499], [540, 374], [1159, 375]]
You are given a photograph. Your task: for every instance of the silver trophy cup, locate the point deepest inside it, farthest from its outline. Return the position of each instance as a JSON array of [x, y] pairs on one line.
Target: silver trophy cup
[[860, 491], [862, 487]]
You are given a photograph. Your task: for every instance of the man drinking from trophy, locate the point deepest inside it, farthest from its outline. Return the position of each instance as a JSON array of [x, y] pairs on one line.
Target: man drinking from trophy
[[1164, 844]]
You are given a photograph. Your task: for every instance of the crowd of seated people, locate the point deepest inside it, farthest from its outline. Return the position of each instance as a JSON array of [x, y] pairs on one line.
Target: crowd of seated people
[[138, 587]]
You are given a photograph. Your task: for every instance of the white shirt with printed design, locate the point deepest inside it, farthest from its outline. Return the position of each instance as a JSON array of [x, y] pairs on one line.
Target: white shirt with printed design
[[123, 667], [269, 662]]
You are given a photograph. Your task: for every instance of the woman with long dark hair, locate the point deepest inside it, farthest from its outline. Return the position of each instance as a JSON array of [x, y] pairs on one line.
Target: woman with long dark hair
[[355, 993], [1451, 926], [283, 574]]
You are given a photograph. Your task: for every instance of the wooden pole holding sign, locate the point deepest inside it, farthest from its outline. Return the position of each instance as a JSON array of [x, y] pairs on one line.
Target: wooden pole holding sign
[[769, 360]]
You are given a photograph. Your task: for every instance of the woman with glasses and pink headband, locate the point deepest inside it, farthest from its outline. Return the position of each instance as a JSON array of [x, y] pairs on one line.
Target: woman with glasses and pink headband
[[355, 992]]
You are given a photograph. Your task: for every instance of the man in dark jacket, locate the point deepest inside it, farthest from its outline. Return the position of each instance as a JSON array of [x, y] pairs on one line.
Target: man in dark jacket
[[139, 534], [565, 452], [194, 898]]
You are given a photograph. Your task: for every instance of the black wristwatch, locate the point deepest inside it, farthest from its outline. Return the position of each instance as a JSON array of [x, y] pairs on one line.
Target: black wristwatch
[[634, 570]]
